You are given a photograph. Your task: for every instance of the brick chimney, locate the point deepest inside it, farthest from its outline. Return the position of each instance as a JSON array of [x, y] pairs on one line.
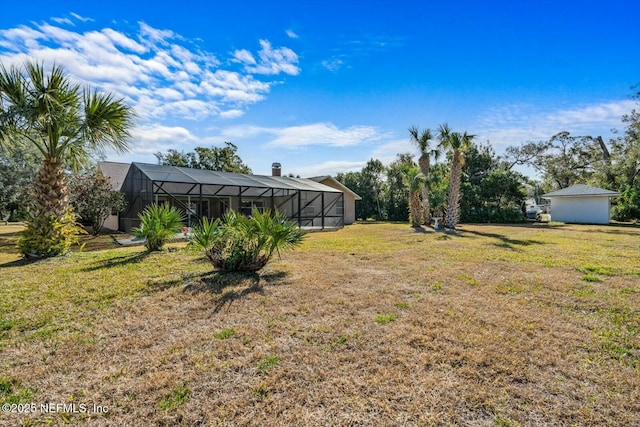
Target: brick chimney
[[276, 169]]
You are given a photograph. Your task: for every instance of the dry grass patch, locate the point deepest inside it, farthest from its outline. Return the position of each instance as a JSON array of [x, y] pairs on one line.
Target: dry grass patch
[[492, 325]]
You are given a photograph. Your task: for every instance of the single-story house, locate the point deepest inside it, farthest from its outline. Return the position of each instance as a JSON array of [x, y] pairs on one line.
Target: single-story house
[[349, 196], [199, 193], [581, 204]]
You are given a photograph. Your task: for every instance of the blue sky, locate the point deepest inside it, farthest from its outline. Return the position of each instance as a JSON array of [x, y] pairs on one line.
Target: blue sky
[[323, 86]]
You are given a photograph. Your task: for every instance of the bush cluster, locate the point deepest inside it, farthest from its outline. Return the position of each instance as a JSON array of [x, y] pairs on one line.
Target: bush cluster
[[237, 243]]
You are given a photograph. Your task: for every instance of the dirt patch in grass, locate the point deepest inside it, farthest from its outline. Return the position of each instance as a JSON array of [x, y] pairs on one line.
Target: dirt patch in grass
[[371, 325]]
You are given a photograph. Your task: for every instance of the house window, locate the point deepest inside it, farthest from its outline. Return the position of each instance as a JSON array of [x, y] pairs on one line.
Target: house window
[[249, 206]]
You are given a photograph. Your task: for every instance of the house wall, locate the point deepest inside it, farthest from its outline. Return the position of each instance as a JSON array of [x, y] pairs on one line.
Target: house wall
[[580, 210], [111, 222]]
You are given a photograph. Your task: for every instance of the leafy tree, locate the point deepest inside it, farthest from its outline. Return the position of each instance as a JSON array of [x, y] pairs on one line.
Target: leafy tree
[[491, 192], [457, 144], [564, 160], [439, 188], [223, 159], [400, 174], [423, 141], [94, 199], [373, 178], [370, 185], [627, 206], [65, 124], [18, 166]]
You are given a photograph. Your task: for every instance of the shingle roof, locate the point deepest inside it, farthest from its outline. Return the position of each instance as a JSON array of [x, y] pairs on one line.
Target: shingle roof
[[581, 190], [116, 172]]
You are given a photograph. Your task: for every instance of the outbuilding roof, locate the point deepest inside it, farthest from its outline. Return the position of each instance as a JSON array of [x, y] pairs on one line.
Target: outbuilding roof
[[162, 173], [323, 178], [581, 190]]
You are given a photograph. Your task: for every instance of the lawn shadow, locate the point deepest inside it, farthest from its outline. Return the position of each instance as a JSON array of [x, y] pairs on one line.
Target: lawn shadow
[[232, 286], [420, 229], [118, 261], [100, 242], [506, 242], [448, 234], [17, 263], [8, 242], [631, 229]]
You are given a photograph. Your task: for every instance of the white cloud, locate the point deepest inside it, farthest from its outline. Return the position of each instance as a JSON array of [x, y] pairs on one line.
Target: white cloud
[[516, 124], [275, 61], [244, 56], [120, 39], [388, 151], [81, 18], [154, 35], [329, 168], [150, 139], [155, 70], [144, 135], [333, 64], [231, 114], [294, 137], [291, 34]]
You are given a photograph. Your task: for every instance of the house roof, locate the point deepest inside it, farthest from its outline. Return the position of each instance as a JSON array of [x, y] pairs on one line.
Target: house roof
[[581, 190], [333, 180], [163, 173], [116, 172]]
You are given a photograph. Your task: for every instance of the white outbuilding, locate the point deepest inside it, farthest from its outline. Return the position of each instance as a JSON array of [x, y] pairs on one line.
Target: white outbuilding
[[581, 204]]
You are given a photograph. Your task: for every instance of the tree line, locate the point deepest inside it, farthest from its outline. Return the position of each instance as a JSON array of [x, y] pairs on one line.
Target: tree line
[[490, 189], [50, 125]]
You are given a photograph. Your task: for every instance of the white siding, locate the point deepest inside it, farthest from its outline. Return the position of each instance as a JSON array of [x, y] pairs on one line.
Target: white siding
[[111, 222], [580, 210], [349, 208]]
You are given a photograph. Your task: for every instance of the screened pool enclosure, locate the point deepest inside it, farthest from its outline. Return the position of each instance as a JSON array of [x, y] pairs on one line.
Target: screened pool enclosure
[[203, 193]]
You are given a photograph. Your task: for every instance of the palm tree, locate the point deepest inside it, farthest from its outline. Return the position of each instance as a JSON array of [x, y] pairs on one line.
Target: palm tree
[[423, 141], [417, 183], [457, 144], [65, 124]]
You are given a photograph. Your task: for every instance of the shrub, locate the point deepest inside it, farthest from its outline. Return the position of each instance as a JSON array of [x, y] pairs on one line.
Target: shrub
[[241, 244], [48, 236], [94, 198], [160, 223]]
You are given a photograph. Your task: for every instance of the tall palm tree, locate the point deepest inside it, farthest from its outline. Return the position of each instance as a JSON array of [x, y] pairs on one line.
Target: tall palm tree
[[65, 123], [417, 182], [423, 141], [457, 144]]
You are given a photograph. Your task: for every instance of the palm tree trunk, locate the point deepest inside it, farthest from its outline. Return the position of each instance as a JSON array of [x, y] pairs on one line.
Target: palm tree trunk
[[415, 208], [51, 194], [426, 212], [423, 162], [51, 228], [453, 205]]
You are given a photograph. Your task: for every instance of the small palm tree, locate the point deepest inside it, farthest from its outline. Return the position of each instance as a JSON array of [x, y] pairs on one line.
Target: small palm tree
[[457, 144], [65, 124], [159, 224], [423, 141], [240, 244]]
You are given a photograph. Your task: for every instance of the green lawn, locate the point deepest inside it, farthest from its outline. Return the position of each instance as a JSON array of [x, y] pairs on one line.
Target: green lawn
[[375, 324]]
